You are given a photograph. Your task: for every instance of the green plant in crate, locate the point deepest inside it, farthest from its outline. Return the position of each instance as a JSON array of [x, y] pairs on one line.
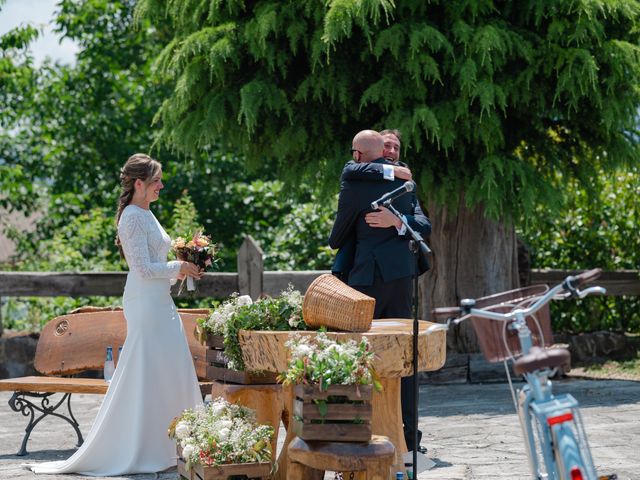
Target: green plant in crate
[[280, 313], [324, 362]]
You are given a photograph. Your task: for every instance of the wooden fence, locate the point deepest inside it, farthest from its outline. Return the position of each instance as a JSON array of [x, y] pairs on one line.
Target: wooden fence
[[250, 279]]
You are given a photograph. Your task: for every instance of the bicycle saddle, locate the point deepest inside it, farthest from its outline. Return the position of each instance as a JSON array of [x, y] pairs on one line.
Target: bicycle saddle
[[538, 359]]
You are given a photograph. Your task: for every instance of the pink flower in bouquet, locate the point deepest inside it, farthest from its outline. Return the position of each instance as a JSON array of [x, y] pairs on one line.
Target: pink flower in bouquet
[[199, 250]]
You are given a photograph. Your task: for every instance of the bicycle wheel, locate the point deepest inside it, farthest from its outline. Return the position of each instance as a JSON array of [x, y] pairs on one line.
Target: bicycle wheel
[[568, 453], [537, 438]]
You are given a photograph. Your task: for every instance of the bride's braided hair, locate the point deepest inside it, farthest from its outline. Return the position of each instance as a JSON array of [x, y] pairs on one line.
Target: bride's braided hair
[[139, 166]]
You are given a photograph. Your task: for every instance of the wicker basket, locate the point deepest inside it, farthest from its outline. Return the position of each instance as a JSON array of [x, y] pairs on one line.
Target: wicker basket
[[333, 304], [496, 340]]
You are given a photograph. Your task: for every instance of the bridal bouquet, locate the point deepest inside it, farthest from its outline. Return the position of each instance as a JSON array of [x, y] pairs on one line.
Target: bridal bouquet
[[199, 250], [221, 433]]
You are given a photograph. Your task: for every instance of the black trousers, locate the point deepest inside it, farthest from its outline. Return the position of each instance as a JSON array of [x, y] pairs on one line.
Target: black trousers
[[393, 300]]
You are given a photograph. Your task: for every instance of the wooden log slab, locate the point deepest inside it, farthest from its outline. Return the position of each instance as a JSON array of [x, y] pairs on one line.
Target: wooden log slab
[[391, 340]]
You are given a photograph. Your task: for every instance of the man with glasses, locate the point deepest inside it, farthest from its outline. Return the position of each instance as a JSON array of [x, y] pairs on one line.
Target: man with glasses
[[370, 171], [383, 265]]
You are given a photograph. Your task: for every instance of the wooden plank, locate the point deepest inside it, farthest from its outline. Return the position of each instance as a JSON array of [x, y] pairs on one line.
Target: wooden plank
[[223, 472], [224, 374], [333, 432], [217, 357], [617, 283], [223, 284], [84, 284], [308, 393], [335, 411], [54, 384], [183, 473], [250, 268]]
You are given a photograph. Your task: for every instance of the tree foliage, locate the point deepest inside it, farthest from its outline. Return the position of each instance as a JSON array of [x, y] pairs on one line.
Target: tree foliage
[[67, 130], [495, 99], [598, 227]]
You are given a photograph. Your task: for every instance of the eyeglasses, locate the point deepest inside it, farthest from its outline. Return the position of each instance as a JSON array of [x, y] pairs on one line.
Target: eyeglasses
[[355, 150]]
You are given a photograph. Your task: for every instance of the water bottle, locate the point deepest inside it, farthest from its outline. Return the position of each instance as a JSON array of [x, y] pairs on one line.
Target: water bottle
[[399, 476], [109, 366], [119, 352]]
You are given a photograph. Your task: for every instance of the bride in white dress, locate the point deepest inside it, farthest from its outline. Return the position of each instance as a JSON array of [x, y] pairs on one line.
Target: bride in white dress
[[155, 379]]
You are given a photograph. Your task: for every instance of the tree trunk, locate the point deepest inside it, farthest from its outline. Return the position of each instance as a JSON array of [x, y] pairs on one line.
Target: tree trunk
[[473, 256]]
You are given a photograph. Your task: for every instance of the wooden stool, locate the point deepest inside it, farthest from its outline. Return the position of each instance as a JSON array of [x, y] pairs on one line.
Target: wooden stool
[[266, 400], [309, 460]]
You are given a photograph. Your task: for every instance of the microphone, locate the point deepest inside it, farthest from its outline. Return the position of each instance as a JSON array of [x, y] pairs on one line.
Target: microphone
[[391, 196]]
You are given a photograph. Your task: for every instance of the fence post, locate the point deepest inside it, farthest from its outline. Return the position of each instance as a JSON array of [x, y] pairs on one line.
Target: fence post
[[1, 327], [250, 268]]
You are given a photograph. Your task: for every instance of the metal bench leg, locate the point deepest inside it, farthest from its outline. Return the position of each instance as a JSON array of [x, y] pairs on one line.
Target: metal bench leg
[[20, 403]]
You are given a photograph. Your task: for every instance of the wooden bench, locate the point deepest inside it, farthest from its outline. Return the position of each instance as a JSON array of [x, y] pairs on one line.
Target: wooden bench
[[76, 343]]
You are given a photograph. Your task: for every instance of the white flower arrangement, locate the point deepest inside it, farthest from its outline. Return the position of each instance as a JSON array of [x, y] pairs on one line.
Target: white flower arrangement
[[219, 319], [221, 433], [320, 360]]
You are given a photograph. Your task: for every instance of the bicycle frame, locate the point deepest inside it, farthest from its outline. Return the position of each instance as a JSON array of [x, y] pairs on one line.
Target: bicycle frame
[[554, 421]]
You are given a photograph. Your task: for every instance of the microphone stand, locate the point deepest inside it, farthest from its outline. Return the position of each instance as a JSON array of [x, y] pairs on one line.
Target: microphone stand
[[419, 248]]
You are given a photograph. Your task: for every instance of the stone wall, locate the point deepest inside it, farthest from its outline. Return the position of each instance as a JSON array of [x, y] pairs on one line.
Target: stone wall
[[585, 348]]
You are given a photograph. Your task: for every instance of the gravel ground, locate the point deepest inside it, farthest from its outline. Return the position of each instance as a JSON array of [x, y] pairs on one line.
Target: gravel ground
[[471, 431]]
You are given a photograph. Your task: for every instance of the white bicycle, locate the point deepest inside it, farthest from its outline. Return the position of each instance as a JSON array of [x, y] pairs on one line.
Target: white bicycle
[[555, 439]]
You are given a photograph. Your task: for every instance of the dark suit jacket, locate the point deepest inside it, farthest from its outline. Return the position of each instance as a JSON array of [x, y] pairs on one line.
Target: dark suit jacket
[[381, 247]]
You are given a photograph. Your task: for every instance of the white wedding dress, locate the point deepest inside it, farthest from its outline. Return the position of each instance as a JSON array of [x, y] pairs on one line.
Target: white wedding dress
[[155, 378]]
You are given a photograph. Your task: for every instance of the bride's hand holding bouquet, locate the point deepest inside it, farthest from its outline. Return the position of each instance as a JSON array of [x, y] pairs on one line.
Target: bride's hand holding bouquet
[[197, 255]]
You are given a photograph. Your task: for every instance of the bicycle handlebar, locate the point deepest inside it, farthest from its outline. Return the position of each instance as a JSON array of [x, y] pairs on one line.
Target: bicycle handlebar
[[570, 285]]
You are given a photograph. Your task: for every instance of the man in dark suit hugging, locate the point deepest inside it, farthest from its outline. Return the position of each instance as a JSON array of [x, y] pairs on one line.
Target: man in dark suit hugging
[[383, 265]]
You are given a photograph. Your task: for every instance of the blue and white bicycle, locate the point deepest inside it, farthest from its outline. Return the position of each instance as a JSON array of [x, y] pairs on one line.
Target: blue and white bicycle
[[555, 438]]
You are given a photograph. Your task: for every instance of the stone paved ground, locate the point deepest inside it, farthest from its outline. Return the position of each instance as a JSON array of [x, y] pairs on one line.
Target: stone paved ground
[[470, 430]]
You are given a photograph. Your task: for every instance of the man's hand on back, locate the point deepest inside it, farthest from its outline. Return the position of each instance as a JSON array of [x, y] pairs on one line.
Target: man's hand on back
[[402, 173], [382, 218]]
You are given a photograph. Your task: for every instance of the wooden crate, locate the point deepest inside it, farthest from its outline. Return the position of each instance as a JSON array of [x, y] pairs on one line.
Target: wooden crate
[[348, 416], [223, 472], [218, 369]]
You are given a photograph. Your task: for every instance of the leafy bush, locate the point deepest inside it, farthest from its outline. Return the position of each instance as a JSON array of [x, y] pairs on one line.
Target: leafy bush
[[597, 228]]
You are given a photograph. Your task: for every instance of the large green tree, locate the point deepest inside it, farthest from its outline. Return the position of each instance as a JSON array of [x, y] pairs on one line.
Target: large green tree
[[67, 130], [497, 101]]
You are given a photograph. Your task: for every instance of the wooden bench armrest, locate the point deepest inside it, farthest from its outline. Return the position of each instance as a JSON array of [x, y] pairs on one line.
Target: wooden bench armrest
[[54, 385]]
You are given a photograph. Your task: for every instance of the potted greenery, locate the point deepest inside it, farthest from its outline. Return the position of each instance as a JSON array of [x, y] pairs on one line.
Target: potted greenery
[[220, 332], [221, 440], [333, 385]]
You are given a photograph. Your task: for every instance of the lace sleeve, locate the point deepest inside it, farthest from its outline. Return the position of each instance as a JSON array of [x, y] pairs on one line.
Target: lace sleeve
[[133, 236]]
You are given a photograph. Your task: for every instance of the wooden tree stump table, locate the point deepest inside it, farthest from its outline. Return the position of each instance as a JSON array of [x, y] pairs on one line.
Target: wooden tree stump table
[[310, 460], [390, 339]]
